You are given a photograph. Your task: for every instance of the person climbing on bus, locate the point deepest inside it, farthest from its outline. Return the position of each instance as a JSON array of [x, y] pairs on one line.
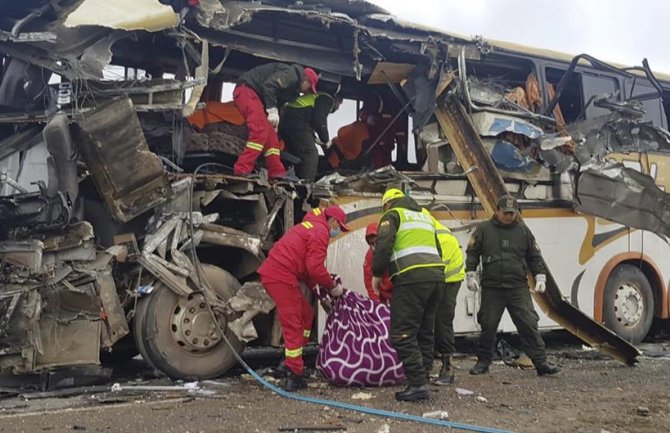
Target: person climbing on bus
[[302, 119], [259, 94], [299, 256]]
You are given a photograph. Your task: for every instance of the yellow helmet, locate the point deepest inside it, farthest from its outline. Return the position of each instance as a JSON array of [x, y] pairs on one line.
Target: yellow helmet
[[392, 194]]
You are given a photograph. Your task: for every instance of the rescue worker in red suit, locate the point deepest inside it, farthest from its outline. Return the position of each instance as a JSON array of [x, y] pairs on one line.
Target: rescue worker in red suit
[[300, 255], [258, 95], [386, 286]]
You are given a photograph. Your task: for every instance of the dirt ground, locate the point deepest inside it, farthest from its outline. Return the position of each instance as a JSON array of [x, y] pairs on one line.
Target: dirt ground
[[592, 395]]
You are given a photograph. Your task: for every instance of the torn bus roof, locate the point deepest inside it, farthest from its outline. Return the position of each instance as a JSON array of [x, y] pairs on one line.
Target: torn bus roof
[[147, 15]]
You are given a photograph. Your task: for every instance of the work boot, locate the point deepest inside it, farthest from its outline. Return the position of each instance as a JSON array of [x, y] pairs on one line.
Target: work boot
[[294, 382], [413, 393], [547, 369], [280, 372], [285, 178], [481, 367], [250, 176], [446, 376]]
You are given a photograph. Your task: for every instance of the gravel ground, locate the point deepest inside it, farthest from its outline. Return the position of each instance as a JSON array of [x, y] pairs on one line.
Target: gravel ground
[[592, 395]]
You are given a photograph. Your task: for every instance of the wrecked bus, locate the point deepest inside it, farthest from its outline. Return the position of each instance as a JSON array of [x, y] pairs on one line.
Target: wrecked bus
[[122, 230]]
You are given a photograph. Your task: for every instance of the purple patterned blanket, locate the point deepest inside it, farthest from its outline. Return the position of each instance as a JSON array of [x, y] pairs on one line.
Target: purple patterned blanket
[[355, 348]]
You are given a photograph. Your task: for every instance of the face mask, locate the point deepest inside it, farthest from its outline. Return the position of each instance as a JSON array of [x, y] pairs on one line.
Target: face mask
[[334, 233]]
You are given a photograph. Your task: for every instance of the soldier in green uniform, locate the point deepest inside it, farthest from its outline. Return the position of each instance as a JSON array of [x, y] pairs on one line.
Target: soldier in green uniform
[[407, 247], [508, 250]]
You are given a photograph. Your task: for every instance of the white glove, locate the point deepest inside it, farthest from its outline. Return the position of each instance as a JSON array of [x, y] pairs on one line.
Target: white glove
[[327, 144], [337, 291], [540, 283], [376, 282], [472, 282], [273, 116]]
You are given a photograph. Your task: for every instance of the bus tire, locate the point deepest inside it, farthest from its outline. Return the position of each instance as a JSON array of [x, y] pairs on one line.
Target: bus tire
[[177, 334], [628, 303]]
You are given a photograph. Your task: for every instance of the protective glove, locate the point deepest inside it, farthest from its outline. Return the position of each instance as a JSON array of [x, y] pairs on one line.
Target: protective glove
[[273, 116], [471, 281], [337, 291], [336, 279], [540, 283], [327, 144], [376, 282], [326, 305]]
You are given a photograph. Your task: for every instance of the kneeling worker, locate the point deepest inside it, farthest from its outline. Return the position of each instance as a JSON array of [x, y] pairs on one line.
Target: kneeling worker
[[300, 255]]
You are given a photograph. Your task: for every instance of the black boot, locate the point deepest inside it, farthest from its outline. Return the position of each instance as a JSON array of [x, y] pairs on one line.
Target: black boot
[[546, 369], [294, 382], [480, 367], [280, 372], [446, 376], [413, 393]]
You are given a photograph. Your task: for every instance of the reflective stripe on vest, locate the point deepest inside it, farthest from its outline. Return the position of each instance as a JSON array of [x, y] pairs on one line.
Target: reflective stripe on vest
[[414, 245], [303, 101]]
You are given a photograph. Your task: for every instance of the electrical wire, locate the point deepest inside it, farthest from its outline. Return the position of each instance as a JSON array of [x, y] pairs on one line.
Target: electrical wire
[[294, 396]]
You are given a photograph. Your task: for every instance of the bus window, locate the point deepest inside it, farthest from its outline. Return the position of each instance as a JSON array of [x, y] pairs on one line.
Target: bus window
[[570, 101], [597, 86], [653, 107]]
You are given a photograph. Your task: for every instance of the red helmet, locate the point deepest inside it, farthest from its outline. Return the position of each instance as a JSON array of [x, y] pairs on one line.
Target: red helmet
[[339, 215], [313, 78], [370, 230]]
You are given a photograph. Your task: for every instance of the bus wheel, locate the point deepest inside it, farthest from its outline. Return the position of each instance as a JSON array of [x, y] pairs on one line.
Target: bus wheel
[[178, 335], [628, 303]]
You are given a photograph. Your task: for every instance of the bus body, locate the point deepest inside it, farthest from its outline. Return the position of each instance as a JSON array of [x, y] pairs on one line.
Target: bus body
[[116, 208]]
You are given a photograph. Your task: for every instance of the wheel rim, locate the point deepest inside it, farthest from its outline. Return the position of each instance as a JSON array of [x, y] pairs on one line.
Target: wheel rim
[[192, 327], [628, 304]]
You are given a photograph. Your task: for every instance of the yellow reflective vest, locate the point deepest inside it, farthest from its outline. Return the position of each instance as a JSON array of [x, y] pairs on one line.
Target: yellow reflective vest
[[414, 245], [452, 255]]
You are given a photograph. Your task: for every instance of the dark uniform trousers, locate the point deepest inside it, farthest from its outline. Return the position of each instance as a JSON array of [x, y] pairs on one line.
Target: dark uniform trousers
[[520, 306], [445, 342], [301, 144], [413, 309]]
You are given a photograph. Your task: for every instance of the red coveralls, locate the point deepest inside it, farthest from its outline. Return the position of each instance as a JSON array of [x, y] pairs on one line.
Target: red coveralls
[[299, 255], [386, 286], [262, 136]]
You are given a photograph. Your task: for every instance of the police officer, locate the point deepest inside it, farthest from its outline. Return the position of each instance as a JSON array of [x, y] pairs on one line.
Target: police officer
[[407, 247], [454, 273], [301, 119], [507, 249]]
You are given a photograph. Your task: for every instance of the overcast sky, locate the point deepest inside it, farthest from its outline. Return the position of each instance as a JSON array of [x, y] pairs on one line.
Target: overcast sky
[[622, 31]]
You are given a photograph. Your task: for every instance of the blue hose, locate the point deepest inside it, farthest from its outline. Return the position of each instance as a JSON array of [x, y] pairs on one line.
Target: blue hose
[[371, 411]]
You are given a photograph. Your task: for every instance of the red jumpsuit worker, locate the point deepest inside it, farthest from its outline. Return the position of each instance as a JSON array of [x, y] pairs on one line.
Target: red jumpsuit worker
[[386, 286], [300, 255], [262, 88]]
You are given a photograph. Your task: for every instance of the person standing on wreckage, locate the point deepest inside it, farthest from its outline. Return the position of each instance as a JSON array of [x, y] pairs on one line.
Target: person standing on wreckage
[[507, 249], [408, 248], [259, 94], [304, 117], [300, 255]]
